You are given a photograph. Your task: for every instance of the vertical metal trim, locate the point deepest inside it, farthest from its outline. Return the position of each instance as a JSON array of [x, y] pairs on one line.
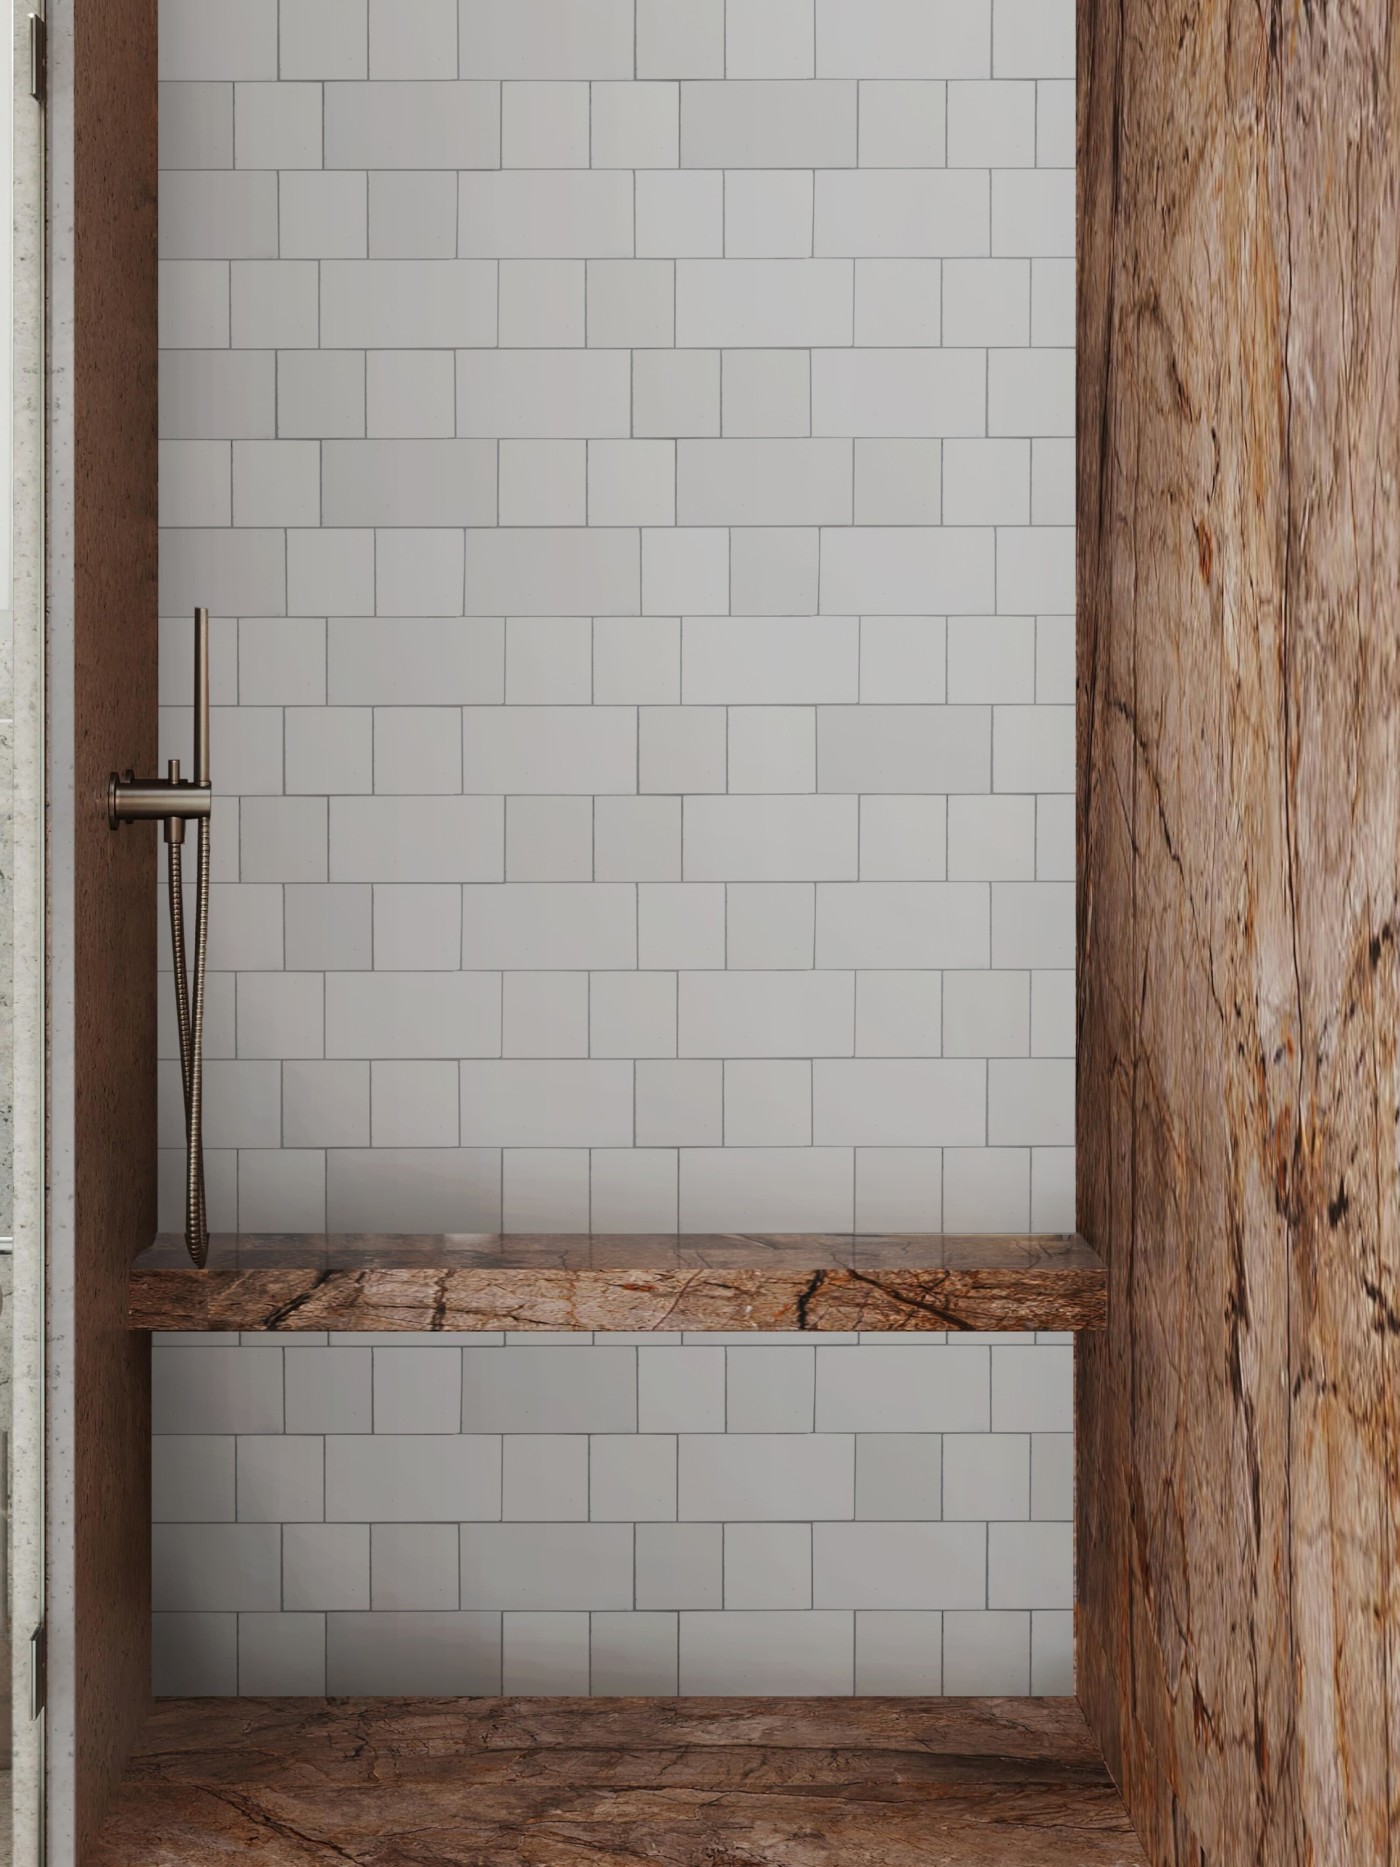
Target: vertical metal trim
[[38, 59]]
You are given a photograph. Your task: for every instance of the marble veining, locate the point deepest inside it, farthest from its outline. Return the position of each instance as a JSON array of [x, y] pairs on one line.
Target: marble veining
[[759, 1281], [561, 1782]]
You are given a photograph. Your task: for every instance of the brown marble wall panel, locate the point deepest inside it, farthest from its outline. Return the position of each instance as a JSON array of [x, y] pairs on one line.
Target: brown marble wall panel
[[629, 1283], [564, 1782], [1239, 922], [113, 413]]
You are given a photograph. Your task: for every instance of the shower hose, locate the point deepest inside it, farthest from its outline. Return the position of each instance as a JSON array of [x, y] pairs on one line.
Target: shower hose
[[189, 1014]]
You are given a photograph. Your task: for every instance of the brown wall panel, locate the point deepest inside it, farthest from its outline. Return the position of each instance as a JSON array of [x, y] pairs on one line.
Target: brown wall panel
[[1239, 939], [114, 542]]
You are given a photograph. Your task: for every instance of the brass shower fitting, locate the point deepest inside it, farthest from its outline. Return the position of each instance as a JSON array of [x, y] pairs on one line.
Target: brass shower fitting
[[172, 800]]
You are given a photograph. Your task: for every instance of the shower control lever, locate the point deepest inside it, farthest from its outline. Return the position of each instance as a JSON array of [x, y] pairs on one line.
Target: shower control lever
[[174, 801]]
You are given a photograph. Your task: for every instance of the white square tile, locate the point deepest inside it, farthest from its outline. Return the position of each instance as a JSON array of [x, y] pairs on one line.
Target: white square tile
[[634, 1654], [417, 1390], [899, 1653], [1032, 1389], [544, 1189], [282, 1655], [676, 392], [681, 749], [408, 393], [545, 1014], [769, 1390], [770, 925], [685, 571], [631, 482], [768, 1103], [767, 1565], [991, 124], [544, 126], [680, 1565], [637, 839], [328, 1390], [772, 749], [899, 302], [541, 302], [679, 1103], [1030, 1565], [767, 213], [633, 1189], [899, 1476], [413, 1565], [325, 1566], [323, 39], [549, 839], [905, 838], [986, 1653], [986, 1475], [632, 1014], [680, 924], [769, 39], [680, 38], [903, 123], [1033, 38], [631, 302], [545, 1653], [681, 1390], [192, 1479], [635, 125], [413, 39], [899, 1189], [632, 1477], [636, 660], [546, 1477], [194, 1654]]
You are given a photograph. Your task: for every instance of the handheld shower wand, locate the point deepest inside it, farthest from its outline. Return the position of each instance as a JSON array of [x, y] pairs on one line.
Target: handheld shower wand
[[173, 801]]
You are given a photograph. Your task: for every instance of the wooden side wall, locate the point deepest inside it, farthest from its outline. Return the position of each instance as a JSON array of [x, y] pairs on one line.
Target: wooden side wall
[[1239, 933], [114, 712]]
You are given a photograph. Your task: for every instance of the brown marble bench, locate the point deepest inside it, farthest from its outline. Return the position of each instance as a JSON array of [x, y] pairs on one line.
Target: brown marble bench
[[696, 1281], [584, 1782]]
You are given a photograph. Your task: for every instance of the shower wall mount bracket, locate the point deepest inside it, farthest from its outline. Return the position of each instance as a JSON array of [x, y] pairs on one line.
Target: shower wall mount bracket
[[174, 801]]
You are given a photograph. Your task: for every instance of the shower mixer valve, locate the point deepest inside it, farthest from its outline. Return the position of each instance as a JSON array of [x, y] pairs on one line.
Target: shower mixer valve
[[174, 801]]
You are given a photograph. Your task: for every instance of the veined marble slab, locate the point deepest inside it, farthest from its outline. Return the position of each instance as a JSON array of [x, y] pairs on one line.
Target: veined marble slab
[[564, 1782], [759, 1281]]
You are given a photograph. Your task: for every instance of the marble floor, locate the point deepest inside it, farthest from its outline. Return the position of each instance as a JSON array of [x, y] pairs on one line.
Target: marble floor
[[608, 1782]]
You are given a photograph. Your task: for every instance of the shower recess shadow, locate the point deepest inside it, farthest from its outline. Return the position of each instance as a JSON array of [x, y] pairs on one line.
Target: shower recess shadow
[[631, 1281], [813, 1782]]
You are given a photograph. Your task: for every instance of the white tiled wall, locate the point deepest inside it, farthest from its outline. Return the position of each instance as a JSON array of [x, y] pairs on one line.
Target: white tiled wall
[[708, 1514], [626, 447]]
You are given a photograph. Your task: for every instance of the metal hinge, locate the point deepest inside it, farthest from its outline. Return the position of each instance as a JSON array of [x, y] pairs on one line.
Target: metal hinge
[[38, 58], [38, 1669]]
